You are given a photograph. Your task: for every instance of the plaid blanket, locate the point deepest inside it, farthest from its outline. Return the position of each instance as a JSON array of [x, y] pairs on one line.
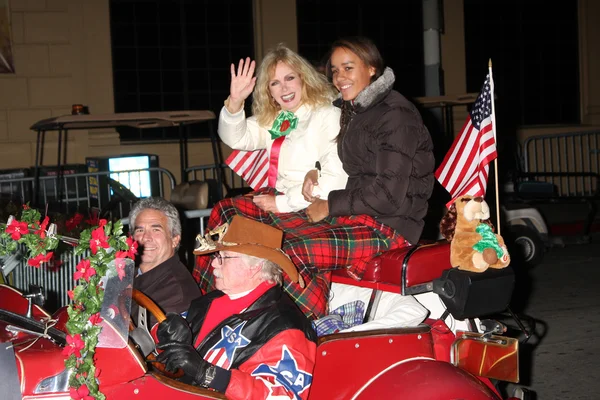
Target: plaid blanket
[[344, 317], [315, 248]]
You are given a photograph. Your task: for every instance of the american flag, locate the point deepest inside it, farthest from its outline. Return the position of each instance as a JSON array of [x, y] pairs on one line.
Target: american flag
[[252, 166], [465, 168]]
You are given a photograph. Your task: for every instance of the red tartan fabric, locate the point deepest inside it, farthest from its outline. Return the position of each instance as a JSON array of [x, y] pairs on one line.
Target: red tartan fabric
[[315, 248]]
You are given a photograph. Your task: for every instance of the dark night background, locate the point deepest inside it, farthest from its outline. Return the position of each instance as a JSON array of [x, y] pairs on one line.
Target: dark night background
[[175, 54]]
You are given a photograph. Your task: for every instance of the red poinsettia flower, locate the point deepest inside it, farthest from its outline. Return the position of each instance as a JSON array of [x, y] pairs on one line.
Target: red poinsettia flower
[[120, 265], [95, 319], [41, 229], [71, 294], [131, 250], [81, 393], [40, 259], [99, 239], [132, 247], [284, 125], [74, 346], [72, 222], [84, 270], [17, 229], [93, 219], [54, 264]]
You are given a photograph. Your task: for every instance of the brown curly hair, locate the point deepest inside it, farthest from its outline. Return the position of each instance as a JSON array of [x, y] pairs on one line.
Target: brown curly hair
[[448, 222]]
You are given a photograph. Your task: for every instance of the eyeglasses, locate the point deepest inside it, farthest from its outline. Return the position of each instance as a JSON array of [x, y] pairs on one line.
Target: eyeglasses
[[219, 257]]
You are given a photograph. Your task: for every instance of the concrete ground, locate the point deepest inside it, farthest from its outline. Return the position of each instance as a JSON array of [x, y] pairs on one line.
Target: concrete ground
[[562, 295]]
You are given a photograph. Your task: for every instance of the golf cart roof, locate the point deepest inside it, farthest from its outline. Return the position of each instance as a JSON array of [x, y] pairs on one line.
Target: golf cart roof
[[450, 100], [140, 120]]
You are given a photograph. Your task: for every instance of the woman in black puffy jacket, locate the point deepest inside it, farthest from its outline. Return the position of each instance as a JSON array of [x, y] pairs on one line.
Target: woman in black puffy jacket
[[385, 148]]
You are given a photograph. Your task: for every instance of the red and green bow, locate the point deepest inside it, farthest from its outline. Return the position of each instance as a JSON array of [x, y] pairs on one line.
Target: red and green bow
[[285, 122]]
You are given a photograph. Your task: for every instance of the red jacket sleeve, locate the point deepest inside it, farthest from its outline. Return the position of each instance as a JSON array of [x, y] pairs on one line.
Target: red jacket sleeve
[[282, 368]]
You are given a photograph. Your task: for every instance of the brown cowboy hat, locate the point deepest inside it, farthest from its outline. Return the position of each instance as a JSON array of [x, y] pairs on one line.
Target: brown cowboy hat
[[246, 236]]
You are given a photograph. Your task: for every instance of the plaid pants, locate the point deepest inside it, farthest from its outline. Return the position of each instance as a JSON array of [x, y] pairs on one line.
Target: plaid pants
[[315, 248]]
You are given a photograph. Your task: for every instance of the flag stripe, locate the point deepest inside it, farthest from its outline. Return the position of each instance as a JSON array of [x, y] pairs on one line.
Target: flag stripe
[[252, 166], [449, 158], [462, 168], [465, 168]]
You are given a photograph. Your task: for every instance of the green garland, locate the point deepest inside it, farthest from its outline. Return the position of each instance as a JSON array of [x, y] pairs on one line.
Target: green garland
[[108, 247], [30, 232]]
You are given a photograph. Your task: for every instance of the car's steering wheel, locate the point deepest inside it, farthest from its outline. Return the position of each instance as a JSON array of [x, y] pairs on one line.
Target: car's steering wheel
[[146, 303]]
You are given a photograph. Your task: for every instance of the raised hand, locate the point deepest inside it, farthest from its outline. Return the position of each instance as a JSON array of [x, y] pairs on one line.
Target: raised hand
[[242, 83]]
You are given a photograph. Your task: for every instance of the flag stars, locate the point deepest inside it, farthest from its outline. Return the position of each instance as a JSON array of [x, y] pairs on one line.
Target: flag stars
[[482, 108]]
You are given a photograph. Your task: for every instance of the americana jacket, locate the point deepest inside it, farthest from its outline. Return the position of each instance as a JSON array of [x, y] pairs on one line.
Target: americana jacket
[[268, 351]]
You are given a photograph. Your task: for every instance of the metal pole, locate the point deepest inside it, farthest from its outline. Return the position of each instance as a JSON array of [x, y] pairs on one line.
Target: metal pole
[[432, 51], [182, 154]]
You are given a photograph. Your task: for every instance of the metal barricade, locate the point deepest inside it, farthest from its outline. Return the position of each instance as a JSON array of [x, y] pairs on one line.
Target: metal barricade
[[56, 281], [570, 161], [59, 280], [73, 192], [230, 182]]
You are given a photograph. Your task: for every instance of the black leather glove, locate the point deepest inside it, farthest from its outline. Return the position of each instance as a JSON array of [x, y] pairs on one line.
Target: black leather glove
[[174, 329], [184, 356]]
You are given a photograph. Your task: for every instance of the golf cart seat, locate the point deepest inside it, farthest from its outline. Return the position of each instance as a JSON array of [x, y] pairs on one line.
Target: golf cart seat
[[192, 195]]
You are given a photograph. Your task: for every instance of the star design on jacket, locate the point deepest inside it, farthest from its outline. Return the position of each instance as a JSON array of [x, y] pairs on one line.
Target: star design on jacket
[[286, 373], [223, 352]]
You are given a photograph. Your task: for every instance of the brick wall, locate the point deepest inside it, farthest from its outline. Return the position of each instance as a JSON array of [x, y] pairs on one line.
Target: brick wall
[[61, 52]]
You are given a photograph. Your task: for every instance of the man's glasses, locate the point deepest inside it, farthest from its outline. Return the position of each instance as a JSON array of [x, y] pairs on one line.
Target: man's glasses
[[219, 257]]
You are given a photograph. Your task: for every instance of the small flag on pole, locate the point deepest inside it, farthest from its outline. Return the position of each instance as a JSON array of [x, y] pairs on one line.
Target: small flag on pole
[[465, 168], [252, 166]]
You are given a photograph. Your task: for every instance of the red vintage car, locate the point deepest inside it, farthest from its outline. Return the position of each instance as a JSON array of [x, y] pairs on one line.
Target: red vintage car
[[430, 361]]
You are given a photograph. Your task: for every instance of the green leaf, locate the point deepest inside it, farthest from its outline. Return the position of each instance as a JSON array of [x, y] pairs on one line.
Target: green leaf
[[70, 362], [108, 228], [118, 228], [51, 243], [30, 215], [76, 326]]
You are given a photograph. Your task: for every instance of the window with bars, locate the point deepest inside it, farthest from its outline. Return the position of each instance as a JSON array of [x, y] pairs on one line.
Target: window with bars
[[174, 55], [535, 60], [398, 34]]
